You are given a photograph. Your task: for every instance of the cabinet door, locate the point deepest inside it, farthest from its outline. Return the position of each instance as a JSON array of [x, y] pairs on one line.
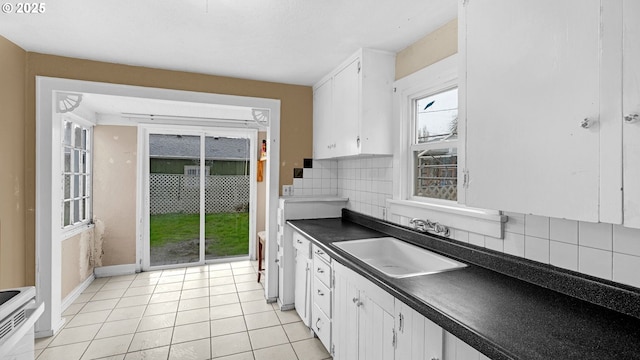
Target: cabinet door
[[532, 77], [631, 107], [345, 316], [346, 100], [302, 287], [376, 337], [418, 337], [323, 121]]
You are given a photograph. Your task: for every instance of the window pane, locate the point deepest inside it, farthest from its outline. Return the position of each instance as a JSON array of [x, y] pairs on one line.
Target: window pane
[[83, 186], [437, 117], [77, 131], [66, 213], [76, 186], [83, 213], [67, 133], [67, 159], [76, 211], [76, 161], [83, 144], [436, 174], [83, 159], [67, 187]]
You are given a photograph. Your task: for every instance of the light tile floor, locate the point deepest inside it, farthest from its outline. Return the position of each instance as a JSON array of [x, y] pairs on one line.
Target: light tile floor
[[214, 311]]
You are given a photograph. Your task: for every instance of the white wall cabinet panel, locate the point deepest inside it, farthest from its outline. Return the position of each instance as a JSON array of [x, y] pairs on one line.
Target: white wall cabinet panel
[[322, 120], [532, 78], [352, 107], [631, 112]]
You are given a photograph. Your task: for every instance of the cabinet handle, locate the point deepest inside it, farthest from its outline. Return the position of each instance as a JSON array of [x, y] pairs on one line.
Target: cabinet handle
[[393, 340], [298, 241], [318, 327], [277, 260], [319, 252], [586, 123], [320, 271], [320, 293], [358, 141], [631, 118], [400, 327], [357, 301]]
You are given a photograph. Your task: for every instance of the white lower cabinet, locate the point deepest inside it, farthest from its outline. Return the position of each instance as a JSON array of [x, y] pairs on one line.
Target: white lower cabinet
[[322, 293], [418, 338], [363, 322], [302, 291]]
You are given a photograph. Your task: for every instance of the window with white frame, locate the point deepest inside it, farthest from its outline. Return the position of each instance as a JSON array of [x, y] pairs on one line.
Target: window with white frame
[[76, 173], [434, 144]]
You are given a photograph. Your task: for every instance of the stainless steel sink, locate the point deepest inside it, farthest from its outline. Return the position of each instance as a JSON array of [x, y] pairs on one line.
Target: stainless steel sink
[[396, 258]]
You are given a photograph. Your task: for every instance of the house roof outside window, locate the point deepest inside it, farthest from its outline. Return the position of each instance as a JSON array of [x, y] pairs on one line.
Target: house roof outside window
[[188, 147]]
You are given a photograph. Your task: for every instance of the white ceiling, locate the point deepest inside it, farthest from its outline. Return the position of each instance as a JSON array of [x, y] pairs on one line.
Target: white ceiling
[[287, 41]]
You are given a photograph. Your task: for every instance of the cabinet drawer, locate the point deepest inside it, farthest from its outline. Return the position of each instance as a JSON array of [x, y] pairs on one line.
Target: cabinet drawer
[[301, 244], [322, 327], [320, 253], [322, 296], [322, 270]]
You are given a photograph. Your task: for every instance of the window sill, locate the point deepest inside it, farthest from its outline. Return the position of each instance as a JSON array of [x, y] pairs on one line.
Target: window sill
[[78, 229], [460, 217]]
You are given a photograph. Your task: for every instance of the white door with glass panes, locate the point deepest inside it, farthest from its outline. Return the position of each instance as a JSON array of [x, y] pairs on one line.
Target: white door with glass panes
[[200, 201]]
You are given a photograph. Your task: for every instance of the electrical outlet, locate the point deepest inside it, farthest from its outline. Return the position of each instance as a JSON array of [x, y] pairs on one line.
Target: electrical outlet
[[287, 190]]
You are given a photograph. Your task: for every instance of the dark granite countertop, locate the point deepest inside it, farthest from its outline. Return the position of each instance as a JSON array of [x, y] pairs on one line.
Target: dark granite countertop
[[502, 316]]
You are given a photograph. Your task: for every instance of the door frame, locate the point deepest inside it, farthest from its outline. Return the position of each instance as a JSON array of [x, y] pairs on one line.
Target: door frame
[[48, 242], [144, 130]]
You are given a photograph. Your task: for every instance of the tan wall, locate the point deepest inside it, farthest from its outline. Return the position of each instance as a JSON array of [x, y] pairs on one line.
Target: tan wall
[[12, 207], [433, 47], [295, 122], [114, 193], [77, 261]]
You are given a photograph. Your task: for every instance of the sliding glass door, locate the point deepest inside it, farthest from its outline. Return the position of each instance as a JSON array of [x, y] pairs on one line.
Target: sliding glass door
[[200, 196]]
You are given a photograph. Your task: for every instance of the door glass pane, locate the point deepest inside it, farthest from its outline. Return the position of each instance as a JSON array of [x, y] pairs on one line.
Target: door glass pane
[[227, 189], [174, 199]]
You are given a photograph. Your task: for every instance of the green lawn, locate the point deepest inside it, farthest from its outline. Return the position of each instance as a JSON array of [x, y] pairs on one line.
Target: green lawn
[[226, 234]]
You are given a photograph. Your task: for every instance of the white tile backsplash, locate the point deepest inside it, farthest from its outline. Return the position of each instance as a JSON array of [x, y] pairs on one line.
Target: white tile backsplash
[[514, 244], [537, 226], [564, 255], [601, 250], [596, 235], [563, 230], [595, 262], [367, 183], [476, 239], [625, 269], [626, 240], [515, 223], [536, 248]]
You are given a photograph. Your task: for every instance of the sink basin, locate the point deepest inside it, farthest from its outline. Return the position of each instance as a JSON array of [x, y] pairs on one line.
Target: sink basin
[[396, 258]]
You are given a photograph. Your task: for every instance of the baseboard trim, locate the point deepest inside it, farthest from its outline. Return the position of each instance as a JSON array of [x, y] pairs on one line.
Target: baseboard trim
[[114, 270], [69, 299]]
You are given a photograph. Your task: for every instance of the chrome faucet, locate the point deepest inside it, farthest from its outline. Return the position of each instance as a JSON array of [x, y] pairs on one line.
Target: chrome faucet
[[429, 226]]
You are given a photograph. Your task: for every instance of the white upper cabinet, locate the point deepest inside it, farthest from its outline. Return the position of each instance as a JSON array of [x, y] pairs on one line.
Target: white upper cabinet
[[541, 101], [352, 107], [631, 112]]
